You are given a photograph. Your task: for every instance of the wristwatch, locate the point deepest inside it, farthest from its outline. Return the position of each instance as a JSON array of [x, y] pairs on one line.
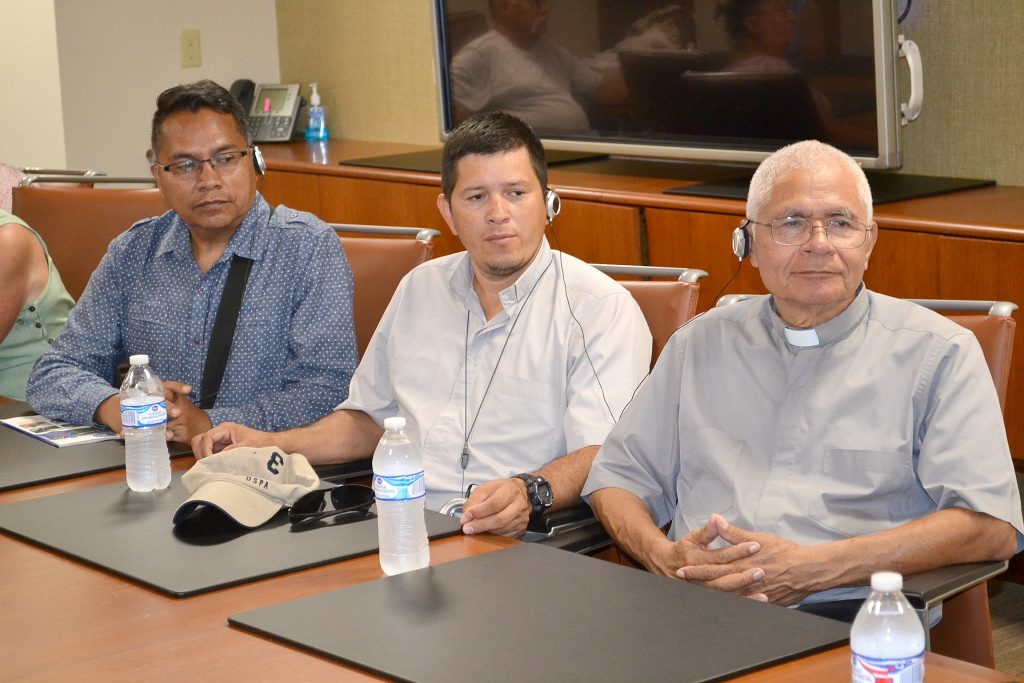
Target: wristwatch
[[538, 491]]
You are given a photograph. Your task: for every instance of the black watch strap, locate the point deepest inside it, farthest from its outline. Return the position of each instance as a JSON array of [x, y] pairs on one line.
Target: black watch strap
[[538, 492]]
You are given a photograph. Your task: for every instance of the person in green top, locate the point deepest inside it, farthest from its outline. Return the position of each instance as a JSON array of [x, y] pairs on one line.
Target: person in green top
[[34, 305]]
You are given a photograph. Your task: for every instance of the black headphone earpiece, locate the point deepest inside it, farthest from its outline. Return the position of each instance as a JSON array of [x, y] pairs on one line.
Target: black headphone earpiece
[[552, 203], [257, 161], [741, 241]]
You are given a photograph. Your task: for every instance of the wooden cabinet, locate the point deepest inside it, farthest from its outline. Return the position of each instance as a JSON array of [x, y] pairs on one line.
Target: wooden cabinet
[[593, 231], [297, 190], [694, 239]]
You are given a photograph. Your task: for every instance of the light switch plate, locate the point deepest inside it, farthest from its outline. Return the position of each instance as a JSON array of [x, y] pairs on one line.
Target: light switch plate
[[191, 54]]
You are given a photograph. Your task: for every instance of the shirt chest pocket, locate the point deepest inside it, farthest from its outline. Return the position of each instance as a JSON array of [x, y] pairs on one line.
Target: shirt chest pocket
[[862, 491], [149, 329]]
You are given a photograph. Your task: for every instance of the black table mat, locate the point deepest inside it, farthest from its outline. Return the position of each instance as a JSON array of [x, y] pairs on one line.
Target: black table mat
[[542, 614], [131, 534], [25, 461]]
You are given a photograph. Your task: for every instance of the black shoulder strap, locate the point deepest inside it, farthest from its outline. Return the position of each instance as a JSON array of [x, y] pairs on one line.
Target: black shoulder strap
[[224, 330]]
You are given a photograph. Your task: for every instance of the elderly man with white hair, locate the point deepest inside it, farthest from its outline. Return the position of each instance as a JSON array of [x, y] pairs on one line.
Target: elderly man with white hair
[[799, 441]]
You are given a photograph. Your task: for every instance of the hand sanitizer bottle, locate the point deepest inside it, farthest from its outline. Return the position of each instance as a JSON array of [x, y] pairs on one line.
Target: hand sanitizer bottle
[[317, 128]]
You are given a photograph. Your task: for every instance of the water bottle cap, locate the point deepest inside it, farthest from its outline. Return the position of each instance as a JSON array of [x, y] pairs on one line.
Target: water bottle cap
[[139, 359], [394, 423], [887, 582]]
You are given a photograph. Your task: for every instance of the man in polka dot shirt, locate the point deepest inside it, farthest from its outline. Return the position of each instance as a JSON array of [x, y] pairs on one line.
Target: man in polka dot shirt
[[158, 289]]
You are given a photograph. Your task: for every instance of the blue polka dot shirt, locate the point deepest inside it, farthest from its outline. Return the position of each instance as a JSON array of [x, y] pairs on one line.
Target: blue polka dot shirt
[[294, 347]]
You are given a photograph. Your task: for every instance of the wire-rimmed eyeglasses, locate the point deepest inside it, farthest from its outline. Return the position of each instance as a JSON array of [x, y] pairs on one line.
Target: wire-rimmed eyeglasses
[[191, 168], [843, 232], [346, 499]]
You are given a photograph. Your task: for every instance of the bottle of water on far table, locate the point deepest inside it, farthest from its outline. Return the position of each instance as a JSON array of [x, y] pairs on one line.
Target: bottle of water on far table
[[887, 638], [144, 420], [400, 491]]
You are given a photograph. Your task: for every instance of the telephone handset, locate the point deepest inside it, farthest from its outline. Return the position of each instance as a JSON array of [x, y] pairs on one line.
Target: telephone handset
[[270, 108]]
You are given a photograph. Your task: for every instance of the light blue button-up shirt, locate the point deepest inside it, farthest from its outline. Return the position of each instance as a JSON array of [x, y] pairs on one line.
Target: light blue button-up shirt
[[294, 347]]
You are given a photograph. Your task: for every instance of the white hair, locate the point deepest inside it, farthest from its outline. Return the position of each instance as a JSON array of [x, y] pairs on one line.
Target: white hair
[[803, 156]]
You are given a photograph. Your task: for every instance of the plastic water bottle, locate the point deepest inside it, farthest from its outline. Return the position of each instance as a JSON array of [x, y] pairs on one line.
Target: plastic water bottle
[[400, 491], [144, 420], [887, 637]]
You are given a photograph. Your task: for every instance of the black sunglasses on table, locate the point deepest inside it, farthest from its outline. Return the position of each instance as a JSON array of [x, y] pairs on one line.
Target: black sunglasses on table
[[346, 499]]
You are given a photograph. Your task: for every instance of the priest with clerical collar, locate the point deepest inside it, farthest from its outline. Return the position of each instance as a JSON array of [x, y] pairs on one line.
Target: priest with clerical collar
[[796, 442]]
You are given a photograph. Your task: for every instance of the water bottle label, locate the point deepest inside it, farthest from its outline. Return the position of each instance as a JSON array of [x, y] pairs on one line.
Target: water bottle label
[[399, 488], [146, 415], [871, 670]]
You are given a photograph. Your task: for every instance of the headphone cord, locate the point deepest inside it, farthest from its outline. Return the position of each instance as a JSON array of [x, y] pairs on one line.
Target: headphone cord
[[468, 431], [583, 334], [728, 282]]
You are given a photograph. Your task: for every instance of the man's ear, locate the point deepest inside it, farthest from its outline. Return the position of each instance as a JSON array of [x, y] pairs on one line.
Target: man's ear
[[445, 207], [872, 239], [156, 175]]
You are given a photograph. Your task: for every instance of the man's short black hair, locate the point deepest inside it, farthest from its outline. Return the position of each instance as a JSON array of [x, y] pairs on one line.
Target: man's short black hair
[[192, 97], [493, 132]]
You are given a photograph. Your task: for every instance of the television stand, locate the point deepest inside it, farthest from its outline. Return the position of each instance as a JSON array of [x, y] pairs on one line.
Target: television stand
[[886, 186], [429, 160]]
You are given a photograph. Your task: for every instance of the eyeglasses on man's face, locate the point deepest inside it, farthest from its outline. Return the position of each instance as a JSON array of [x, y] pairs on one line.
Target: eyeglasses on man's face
[[193, 168], [843, 232]]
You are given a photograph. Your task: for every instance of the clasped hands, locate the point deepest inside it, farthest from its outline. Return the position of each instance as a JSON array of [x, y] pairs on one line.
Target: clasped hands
[[756, 565]]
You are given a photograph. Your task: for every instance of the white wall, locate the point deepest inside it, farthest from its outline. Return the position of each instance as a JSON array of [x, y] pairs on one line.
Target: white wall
[[31, 120], [116, 56]]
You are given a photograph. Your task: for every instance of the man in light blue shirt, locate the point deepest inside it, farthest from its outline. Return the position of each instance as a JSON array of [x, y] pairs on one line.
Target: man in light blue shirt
[[158, 290]]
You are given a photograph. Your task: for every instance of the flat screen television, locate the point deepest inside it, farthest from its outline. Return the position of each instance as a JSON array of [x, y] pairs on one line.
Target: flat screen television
[[707, 80]]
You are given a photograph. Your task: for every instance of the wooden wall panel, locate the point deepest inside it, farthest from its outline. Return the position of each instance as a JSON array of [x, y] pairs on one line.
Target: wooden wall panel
[[377, 202], [701, 240], [598, 233], [297, 190], [903, 264], [590, 231]]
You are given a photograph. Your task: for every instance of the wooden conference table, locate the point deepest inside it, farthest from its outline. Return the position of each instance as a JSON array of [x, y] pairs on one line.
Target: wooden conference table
[[61, 619]]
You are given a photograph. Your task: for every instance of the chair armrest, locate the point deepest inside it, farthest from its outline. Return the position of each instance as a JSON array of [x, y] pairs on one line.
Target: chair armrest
[[575, 529], [928, 589]]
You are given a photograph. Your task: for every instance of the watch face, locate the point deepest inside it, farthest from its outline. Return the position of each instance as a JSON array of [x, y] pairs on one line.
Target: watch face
[[543, 489]]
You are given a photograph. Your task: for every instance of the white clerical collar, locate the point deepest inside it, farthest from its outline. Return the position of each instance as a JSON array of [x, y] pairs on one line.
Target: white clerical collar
[[801, 337]]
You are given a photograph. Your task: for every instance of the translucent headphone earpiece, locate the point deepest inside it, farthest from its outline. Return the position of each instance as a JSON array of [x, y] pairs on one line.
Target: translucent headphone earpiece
[[257, 161], [553, 204]]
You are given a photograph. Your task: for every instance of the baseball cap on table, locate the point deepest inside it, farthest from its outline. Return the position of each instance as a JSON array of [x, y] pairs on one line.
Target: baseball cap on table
[[248, 484]]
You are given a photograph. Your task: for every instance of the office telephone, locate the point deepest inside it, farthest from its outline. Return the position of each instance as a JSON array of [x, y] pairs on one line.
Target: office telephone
[[270, 108]]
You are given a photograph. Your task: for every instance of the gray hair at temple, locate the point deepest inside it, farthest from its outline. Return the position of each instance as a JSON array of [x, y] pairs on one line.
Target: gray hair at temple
[[803, 156]]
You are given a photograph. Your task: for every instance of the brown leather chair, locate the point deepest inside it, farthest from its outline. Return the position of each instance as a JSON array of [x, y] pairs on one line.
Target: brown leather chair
[[78, 223], [666, 304], [965, 631], [378, 265]]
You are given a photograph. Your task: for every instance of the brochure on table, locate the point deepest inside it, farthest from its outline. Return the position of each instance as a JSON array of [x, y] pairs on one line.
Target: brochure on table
[[57, 432]]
